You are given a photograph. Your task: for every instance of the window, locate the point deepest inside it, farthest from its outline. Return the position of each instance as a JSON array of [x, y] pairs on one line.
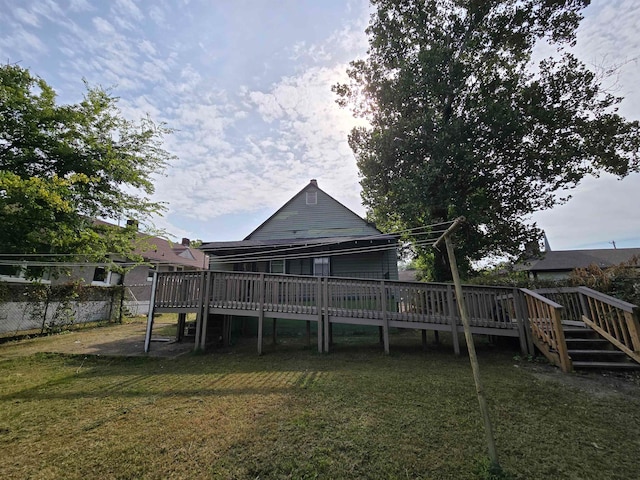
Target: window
[[277, 266], [150, 273], [100, 275], [321, 267], [312, 198]]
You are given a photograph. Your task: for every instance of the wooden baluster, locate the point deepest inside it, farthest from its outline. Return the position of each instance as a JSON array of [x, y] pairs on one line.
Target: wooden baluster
[[633, 325]]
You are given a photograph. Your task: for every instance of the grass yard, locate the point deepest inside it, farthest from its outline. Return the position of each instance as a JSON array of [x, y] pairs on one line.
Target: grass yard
[[294, 413]]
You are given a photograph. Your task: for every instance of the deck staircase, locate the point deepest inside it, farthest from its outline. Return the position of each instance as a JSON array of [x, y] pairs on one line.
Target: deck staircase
[[589, 350]]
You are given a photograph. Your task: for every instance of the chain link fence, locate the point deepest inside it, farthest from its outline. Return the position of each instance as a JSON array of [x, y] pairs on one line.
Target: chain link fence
[[46, 309]]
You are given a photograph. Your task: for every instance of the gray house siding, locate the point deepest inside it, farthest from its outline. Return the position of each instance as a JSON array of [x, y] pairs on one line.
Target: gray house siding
[[363, 265], [326, 218]]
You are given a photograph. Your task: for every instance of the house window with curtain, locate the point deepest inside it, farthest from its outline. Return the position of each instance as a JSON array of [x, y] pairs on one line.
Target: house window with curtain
[[321, 267]]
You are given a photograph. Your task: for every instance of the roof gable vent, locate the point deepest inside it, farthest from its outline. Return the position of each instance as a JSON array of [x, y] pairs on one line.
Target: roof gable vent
[[312, 198]]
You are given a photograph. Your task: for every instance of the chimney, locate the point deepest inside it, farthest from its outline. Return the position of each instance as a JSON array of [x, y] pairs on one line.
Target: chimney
[[186, 242], [132, 223], [314, 182]]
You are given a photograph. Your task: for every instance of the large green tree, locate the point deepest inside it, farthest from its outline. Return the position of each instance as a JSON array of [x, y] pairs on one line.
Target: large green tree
[[463, 122], [62, 166]]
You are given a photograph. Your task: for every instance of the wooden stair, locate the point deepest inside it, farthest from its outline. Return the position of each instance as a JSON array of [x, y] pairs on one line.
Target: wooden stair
[[589, 350]]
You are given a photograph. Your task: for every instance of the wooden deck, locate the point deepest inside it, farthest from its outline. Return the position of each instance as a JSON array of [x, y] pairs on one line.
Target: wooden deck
[[330, 300], [535, 318]]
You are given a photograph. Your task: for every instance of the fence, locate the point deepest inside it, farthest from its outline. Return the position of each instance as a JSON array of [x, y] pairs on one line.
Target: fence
[[43, 308]]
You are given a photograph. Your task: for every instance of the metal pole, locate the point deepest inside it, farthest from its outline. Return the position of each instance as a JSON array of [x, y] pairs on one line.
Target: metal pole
[[493, 455]]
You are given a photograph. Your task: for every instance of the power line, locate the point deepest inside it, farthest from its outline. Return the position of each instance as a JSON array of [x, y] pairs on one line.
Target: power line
[[275, 249]]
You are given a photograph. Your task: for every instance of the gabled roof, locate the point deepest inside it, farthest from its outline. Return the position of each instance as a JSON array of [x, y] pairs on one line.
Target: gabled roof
[[160, 250], [559, 260], [287, 213]]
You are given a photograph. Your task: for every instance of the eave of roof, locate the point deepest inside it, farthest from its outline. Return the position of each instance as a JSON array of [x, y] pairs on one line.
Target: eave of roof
[[214, 248], [563, 260]]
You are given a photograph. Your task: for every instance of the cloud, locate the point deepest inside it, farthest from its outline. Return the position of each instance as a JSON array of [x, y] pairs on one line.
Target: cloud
[[80, 6], [103, 26], [604, 209], [24, 16], [22, 45], [126, 8]]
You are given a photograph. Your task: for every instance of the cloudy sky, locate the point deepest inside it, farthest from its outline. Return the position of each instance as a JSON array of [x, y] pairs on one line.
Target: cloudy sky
[[246, 84]]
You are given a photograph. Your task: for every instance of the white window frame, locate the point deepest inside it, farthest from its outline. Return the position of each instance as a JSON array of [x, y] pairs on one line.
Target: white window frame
[[101, 283], [152, 269]]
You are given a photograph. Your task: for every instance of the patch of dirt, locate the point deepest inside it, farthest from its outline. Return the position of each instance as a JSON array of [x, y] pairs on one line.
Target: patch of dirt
[[599, 383], [111, 340]]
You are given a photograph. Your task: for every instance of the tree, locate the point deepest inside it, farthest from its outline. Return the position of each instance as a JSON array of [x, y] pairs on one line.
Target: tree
[[462, 122], [63, 166]]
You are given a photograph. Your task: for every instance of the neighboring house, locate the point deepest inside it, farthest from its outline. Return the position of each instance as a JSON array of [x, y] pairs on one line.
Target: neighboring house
[[158, 255], [558, 264], [311, 234]]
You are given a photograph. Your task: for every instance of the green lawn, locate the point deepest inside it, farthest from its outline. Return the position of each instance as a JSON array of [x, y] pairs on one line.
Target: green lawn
[[294, 413]]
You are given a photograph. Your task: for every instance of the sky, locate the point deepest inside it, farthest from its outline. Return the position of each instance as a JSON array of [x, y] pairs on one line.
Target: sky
[[246, 86]]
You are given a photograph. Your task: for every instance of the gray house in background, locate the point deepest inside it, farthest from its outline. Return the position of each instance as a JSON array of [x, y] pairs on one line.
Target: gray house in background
[[558, 264], [311, 234]]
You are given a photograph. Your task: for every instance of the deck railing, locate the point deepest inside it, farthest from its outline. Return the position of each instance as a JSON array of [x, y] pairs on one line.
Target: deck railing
[[491, 307], [546, 328], [614, 319], [179, 289]]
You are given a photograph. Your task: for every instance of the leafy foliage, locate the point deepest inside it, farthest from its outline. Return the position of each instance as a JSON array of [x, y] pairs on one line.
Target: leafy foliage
[[61, 166], [621, 281], [462, 122]]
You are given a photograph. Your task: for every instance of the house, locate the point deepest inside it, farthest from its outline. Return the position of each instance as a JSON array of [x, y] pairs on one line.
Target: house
[[158, 254], [311, 234], [558, 264]]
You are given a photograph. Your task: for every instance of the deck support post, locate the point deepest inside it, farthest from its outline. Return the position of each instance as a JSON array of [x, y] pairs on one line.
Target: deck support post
[[320, 304], [274, 333], [226, 329], [182, 320], [484, 409], [205, 312], [385, 319], [453, 320], [152, 305], [436, 337], [424, 340], [203, 294], [260, 313], [327, 323], [308, 328]]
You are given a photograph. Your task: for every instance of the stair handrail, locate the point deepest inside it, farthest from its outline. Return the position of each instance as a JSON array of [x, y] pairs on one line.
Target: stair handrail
[[546, 328], [616, 320]]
